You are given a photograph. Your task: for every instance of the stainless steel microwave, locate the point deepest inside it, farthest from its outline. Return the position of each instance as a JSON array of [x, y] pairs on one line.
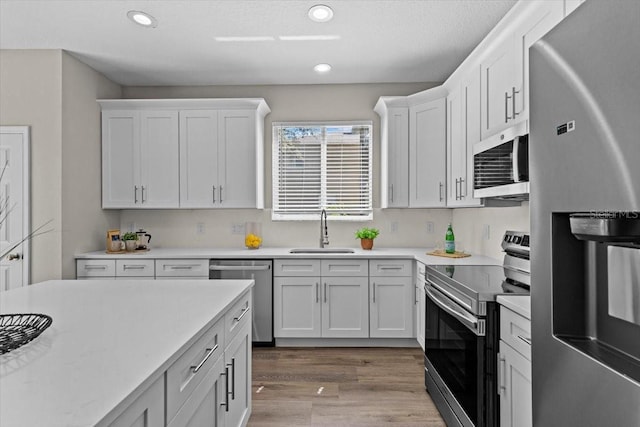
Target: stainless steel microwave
[[501, 165]]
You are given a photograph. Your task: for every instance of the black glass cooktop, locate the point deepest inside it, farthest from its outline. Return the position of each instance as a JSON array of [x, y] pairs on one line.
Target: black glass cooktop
[[481, 282]]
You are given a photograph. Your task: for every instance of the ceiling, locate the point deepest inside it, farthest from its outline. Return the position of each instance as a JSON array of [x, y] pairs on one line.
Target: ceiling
[[377, 40]]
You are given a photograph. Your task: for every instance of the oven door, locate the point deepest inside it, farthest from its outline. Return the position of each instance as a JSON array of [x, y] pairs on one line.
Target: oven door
[[456, 349]]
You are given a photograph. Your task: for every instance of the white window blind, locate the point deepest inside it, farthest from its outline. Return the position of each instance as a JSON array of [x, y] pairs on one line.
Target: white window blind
[[322, 166]]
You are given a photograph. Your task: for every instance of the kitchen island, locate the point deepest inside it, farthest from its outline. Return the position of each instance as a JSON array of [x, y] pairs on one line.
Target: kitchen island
[[115, 344]]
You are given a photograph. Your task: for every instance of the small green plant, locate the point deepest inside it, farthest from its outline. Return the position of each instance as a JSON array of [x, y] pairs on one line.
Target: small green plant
[[367, 233], [130, 236]]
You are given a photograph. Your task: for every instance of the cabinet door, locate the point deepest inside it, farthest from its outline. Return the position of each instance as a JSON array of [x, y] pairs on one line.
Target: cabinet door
[[470, 93], [545, 16], [392, 303], [427, 154], [238, 360], [206, 405], [296, 307], [456, 148], [498, 84], [237, 164], [198, 158], [159, 159], [398, 158], [120, 159], [514, 388], [345, 307], [146, 411], [420, 304]]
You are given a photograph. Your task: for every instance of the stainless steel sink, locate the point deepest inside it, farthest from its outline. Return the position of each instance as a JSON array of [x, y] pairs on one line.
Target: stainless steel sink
[[322, 251]]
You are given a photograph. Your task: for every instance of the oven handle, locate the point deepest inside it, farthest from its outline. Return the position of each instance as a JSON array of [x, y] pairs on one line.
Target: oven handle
[[470, 321]]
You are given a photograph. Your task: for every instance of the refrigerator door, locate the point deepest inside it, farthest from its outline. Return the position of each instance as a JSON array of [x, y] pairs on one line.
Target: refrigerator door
[[585, 157]]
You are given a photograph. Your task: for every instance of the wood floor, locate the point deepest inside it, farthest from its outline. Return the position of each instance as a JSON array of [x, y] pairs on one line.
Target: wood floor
[[341, 387]]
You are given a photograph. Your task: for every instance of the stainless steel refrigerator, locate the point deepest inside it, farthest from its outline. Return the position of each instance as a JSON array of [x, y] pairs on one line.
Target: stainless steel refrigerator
[[585, 218]]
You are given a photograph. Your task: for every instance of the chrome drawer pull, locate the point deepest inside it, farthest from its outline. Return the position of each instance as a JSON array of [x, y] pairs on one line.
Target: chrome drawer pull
[[210, 351], [390, 268], [95, 267], [526, 340], [181, 267], [244, 311], [226, 389], [133, 267]]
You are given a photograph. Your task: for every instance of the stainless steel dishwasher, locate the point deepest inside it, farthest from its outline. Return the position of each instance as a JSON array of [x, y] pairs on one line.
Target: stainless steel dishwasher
[[262, 309]]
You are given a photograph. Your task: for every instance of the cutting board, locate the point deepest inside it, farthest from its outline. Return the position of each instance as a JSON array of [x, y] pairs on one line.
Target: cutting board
[[446, 255]]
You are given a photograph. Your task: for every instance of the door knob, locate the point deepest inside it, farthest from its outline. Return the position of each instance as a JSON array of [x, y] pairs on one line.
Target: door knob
[[12, 257]]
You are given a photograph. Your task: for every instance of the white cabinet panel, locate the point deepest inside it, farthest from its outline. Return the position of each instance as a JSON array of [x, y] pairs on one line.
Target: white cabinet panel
[[392, 305], [296, 307], [120, 157], [394, 155], [427, 154], [198, 158], [420, 304], [182, 268], [143, 268], [345, 308], [95, 268], [238, 359], [146, 411], [514, 388]]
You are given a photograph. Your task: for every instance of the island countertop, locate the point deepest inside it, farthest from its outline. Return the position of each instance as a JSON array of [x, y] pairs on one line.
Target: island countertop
[[109, 340]]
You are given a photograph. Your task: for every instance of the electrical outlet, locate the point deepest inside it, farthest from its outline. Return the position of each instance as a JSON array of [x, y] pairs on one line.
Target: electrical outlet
[[430, 227], [200, 228], [237, 229], [486, 232], [393, 226]]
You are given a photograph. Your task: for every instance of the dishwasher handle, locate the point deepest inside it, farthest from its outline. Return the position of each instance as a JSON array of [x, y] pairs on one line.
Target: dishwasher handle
[[239, 267]]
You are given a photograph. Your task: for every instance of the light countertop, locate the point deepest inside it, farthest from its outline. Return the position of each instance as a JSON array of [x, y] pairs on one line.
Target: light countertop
[[521, 304], [109, 340], [419, 254]]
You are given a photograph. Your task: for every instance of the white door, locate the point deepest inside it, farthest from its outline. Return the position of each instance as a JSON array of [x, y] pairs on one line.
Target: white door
[[237, 159], [391, 307], [345, 307], [14, 206], [296, 307], [120, 159]]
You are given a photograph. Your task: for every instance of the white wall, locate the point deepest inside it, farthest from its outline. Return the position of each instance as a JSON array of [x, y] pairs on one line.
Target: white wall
[[55, 95], [84, 222]]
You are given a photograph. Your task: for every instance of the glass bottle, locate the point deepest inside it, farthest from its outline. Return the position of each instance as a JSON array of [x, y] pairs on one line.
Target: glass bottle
[[449, 241]]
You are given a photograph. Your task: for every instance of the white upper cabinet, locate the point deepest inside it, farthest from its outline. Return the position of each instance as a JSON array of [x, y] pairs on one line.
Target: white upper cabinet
[[394, 152], [195, 153], [427, 154], [139, 154]]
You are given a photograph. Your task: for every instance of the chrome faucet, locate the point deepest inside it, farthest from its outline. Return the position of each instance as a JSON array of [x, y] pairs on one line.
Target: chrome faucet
[[324, 231]]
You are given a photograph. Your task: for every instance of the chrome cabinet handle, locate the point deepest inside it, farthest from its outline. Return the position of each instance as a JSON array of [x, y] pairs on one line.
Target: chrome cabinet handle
[[214, 193], [325, 291], [181, 267], [95, 267], [462, 194], [226, 389], [395, 267], [374, 292], [391, 193], [513, 101], [244, 311], [501, 368], [221, 194], [317, 298], [233, 378], [525, 339], [133, 267], [143, 194], [441, 186], [506, 107], [135, 194], [210, 351]]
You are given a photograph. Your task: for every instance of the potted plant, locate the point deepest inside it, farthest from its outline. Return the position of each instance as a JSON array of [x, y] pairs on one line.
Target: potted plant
[[366, 236], [130, 241]]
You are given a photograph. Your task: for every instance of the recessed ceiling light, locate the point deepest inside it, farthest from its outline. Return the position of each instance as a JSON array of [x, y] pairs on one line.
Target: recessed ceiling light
[[320, 13], [322, 68], [142, 18]]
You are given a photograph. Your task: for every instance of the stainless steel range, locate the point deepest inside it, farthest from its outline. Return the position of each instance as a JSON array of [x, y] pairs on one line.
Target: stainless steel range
[[462, 332]]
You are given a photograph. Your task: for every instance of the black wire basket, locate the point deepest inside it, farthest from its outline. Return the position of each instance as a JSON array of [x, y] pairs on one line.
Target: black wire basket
[[18, 329]]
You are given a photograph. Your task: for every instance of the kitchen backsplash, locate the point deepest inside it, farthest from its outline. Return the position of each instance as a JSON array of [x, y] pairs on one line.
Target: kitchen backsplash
[[398, 228]]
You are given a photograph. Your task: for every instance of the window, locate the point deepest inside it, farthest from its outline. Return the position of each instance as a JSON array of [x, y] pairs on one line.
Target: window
[[322, 166]]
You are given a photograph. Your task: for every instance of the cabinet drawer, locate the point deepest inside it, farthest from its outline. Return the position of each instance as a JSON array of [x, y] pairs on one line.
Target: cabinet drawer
[[135, 268], [391, 267], [344, 267], [182, 268], [191, 368], [237, 316], [515, 330], [95, 268], [296, 267]]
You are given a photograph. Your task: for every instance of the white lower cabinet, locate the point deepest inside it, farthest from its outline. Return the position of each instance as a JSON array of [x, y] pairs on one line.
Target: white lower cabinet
[[514, 370], [421, 307], [392, 299], [310, 305], [146, 411], [209, 385]]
